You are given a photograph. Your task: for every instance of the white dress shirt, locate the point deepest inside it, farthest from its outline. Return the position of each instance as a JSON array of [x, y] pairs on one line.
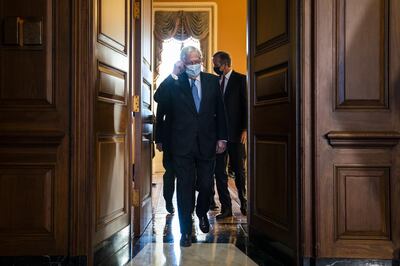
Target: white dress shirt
[[197, 82]]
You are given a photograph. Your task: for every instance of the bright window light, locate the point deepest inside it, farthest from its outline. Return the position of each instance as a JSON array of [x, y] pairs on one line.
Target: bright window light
[[170, 55]]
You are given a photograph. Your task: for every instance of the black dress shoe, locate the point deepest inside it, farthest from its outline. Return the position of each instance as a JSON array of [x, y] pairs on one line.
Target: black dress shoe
[[224, 214], [170, 208], [186, 240], [204, 224]]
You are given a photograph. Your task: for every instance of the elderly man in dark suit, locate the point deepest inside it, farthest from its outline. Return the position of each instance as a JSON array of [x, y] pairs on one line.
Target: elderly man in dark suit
[[233, 89], [191, 102]]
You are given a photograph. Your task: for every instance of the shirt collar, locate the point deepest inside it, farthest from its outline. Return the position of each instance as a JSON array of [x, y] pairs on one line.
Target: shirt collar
[[228, 75], [196, 79]]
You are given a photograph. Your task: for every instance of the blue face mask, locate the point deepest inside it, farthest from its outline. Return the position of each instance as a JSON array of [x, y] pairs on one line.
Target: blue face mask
[[193, 70]]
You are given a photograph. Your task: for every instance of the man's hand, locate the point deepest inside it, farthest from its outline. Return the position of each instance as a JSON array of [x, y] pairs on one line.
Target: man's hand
[[179, 67], [243, 138], [221, 146], [159, 147]]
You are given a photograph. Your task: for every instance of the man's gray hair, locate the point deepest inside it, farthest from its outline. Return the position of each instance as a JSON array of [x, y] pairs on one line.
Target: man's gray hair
[[189, 49]]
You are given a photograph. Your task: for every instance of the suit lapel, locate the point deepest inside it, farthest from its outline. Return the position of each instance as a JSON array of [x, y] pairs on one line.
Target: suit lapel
[[184, 86]]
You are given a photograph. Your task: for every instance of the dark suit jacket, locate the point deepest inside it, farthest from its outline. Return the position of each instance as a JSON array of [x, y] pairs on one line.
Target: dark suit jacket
[[182, 124], [235, 100], [162, 126]]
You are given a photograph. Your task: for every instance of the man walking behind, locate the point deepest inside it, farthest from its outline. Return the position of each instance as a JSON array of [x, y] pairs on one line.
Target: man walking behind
[[234, 91]]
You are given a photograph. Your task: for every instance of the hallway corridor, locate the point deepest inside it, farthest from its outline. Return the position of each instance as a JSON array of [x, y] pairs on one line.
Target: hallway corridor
[[225, 244]]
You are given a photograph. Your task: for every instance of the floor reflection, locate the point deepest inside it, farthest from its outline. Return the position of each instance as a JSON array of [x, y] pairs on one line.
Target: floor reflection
[[197, 254], [225, 244]]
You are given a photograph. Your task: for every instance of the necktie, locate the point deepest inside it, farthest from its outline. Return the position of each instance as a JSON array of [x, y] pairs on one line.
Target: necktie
[[223, 84], [195, 94]]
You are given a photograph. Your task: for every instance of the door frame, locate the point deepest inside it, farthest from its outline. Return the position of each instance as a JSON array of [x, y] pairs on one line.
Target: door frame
[[82, 141], [307, 152], [80, 243]]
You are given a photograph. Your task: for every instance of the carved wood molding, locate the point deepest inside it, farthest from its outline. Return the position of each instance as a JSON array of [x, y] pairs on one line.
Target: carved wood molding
[[16, 138], [351, 139], [82, 117]]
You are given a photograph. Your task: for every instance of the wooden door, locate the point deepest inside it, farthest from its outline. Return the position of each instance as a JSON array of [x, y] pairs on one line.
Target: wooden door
[[357, 114], [274, 117], [111, 122], [143, 118], [35, 70]]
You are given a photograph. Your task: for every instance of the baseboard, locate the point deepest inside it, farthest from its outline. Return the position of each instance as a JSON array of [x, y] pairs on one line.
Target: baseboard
[[281, 254], [348, 262], [43, 261], [111, 246]]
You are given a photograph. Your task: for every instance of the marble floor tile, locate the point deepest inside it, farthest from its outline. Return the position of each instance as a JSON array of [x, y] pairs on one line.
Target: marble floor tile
[[198, 254], [227, 242]]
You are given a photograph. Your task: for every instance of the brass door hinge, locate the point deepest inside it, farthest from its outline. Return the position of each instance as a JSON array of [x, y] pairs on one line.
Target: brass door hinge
[[136, 104], [135, 197], [136, 10]]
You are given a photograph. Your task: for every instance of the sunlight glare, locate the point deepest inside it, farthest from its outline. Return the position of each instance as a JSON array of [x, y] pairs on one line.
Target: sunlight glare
[[170, 55]]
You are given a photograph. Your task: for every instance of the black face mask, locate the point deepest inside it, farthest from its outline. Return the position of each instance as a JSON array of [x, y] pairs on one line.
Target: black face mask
[[218, 71]]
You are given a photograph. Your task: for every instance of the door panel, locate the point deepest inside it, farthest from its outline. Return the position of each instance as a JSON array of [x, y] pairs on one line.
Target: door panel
[[35, 75], [111, 116], [273, 148], [143, 119], [357, 112]]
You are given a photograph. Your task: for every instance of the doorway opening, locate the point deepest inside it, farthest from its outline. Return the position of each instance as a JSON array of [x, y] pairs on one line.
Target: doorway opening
[[170, 54], [173, 30]]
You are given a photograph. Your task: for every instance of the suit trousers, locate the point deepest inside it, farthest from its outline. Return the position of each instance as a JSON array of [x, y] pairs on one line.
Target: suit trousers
[[237, 156], [168, 177], [193, 171]]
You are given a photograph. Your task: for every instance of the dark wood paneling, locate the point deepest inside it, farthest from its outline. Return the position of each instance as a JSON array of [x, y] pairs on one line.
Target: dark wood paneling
[[11, 31], [35, 87], [113, 24], [81, 117], [272, 85], [26, 200], [147, 33], [353, 140], [32, 179], [110, 180], [272, 23], [271, 182], [362, 198], [362, 63], [356, 114], [15, 91], [143, 120], [147, 155], [111, 76], [32, 57], [146, 146], [112, 117], [273, 124], [112, 84]]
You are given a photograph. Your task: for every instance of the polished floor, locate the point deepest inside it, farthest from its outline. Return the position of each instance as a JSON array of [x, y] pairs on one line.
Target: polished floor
[[226, 243]]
